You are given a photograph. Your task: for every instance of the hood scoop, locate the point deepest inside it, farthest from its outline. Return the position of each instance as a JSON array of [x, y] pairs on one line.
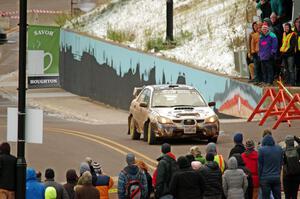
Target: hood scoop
[[184, 108]]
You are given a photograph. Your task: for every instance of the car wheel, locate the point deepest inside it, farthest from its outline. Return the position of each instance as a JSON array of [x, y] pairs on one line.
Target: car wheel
[[151, 139], [133, 133], [145, 138], [213, 139]]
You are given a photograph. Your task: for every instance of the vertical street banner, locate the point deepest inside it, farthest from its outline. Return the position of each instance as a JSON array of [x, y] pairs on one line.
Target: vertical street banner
[[43, 56]]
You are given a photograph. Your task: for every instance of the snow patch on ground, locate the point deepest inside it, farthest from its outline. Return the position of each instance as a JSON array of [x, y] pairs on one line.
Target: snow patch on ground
[[218, 28]]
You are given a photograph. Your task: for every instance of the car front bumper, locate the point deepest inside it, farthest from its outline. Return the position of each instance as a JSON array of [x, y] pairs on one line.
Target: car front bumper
[[200, 130]]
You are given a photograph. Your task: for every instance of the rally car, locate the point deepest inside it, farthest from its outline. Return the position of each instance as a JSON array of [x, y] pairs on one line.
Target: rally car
[[171, 111]]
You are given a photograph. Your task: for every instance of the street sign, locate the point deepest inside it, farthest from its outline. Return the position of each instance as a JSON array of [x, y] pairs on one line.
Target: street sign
[[33, 125]]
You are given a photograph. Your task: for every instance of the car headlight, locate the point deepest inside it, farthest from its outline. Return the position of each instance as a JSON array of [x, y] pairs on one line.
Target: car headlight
[[164, 120], [211, 119]]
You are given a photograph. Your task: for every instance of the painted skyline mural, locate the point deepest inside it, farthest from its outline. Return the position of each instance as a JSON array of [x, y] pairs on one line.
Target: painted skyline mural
[[108, 73]]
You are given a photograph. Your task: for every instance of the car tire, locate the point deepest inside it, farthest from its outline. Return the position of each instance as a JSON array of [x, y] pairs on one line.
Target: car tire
[[133, 133], [213, 139], [151, 139], [145, 137]]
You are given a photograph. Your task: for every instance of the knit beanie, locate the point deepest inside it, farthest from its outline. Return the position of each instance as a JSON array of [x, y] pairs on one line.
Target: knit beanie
[[130, 159], [84, 167], [196, 165], [97, 167], [211, 148], [238, 138], [165, 148], [289, 141]]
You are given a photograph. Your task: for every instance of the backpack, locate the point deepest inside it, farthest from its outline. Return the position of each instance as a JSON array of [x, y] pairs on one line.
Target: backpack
[[292, 161], [133, 186]]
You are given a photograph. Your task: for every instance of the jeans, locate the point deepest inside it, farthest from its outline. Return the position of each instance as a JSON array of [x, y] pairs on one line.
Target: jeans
[[267, 68], [257, 68], [268, 185], [291, 186], [289, 64], [297, 62]]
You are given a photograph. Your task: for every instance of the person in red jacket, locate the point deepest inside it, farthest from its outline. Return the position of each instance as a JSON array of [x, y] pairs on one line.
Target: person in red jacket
[[250, 157]]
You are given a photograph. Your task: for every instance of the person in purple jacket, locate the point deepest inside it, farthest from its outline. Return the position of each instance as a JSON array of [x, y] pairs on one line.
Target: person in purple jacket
[[268, 45]]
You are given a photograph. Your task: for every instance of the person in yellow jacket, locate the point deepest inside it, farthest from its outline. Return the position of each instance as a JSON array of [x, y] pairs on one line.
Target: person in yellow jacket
[[297, 56], [212, 148], [104, 182], [288, 51]]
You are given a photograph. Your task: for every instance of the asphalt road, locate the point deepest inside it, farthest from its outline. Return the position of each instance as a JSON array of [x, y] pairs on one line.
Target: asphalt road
[[67, 143]]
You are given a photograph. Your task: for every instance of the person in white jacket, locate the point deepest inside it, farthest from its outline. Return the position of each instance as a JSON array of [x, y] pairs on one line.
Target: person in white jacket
[[234, 181]]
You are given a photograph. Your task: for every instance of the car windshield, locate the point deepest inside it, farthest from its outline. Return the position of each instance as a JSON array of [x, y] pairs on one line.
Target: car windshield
[[177, 97]]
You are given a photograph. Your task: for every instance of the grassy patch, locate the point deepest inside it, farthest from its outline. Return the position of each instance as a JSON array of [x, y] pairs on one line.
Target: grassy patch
[[156, 43], [119, 36], [61, 19], [159, 43]]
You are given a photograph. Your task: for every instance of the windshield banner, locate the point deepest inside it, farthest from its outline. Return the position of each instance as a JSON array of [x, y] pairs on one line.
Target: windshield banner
[[43, 56]]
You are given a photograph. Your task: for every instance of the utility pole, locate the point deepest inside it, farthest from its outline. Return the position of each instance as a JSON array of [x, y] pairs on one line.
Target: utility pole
[[21, 162], [169, 36]]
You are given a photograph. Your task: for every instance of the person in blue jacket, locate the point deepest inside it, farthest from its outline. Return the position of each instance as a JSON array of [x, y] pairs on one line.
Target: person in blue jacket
[[34, 189], [268, 45], [270, 160]]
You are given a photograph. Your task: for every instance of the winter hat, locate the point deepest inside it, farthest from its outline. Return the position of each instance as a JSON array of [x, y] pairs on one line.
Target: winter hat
[[84, 167], [238, 138], [211, 148], [50, 193], [165, 148], [232, 163], [183, 162], [71, 176], [210, 156], [49, 173], [97, 167], [265, 25], [130, 159], [289, 141], [267, 21], [196, 165], [250, 144]]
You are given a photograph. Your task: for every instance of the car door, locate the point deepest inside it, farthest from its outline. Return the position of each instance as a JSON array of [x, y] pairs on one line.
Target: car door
[[136, 109], [142, 112]]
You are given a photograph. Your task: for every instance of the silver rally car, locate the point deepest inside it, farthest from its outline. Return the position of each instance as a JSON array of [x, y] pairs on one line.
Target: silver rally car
[[171, 111]]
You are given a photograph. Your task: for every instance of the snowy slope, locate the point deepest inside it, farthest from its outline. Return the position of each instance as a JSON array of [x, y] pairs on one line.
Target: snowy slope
[[218, 28]]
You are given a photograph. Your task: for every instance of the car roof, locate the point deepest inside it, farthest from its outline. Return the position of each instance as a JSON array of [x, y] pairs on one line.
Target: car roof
[[169, 86]]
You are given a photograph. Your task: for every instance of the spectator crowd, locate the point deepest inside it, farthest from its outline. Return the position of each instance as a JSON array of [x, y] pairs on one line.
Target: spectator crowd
[[274, 44], [251, 172]]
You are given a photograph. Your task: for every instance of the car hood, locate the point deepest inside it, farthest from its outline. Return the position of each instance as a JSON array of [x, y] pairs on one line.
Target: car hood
[[184, 112]]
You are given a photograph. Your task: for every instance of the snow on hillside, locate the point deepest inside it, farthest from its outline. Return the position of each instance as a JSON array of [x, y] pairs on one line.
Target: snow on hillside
[[218, 28]]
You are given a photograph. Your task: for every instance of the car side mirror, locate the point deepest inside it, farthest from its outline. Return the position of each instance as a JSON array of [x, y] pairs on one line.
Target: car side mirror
[[211, 103], [143, 104]]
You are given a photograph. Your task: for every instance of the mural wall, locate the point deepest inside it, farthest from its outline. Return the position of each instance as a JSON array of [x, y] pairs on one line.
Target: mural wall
[[108, 73]]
